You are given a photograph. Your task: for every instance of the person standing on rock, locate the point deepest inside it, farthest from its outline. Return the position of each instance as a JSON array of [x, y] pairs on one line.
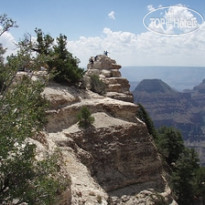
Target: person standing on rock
[[91, 60], [106, 53], [96, 58]]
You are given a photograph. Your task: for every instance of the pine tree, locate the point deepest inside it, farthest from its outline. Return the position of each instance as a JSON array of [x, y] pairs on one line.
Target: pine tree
[[170, 144], [85, 118], [65, 66], [183, 177], [22, 116], [43, 43]]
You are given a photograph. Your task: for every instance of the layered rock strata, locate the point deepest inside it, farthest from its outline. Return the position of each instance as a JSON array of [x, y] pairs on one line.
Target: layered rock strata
[[108, 71], [112, 162]]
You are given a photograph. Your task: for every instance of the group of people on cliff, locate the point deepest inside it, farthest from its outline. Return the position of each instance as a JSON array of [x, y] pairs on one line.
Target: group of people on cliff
[[92, 59]]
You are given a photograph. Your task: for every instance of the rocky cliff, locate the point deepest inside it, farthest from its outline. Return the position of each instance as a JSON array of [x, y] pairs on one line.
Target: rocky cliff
[[114, 161], [183, 110], [108, 71]]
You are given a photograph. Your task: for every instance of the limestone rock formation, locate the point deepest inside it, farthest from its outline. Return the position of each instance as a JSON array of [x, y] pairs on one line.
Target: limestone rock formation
[[108, 71], [112, 162]]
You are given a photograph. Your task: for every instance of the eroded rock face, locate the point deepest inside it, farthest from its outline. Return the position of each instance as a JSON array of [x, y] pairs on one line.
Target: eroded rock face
[[108, 71], [120, 156], [111, 162]]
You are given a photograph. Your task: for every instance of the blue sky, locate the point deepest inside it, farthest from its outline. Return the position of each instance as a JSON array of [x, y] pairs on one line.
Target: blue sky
[[114, 25]]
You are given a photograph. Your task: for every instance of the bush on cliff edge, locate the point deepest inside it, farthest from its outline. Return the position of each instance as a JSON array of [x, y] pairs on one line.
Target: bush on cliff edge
[[85, 118]]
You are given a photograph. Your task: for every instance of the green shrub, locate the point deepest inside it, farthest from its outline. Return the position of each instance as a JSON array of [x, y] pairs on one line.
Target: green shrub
[[85, 118], [144, 116], [158, 199], [23, 179], [170, 144], [97, 85]]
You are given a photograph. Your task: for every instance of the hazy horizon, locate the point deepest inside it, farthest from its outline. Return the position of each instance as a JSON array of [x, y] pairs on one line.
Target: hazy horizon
[[178, 77]]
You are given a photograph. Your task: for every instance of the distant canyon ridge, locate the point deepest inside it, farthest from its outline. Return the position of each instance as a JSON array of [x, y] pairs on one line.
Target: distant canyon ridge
[[178, 77], [182, 110]]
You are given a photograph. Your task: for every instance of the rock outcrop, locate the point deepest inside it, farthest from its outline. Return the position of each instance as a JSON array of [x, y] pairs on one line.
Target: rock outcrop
[[111, 162], [108, 71], [114, 161]]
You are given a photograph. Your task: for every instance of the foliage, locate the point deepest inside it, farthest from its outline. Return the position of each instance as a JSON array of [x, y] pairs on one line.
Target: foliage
[[3, 69], [22, 115], [85, 118], [57, 59], [66, 66], [199, 184], [170, 144], [97, 85], [183, 177], [158, 199], [186, 177], [144, 116], [44, 43], [6, 23], [21, 177]]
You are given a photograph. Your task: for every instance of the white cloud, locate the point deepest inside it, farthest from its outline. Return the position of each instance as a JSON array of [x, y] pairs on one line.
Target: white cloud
[[8, 42], [130, 49], [111, 15], [145, 49], [182, 14]]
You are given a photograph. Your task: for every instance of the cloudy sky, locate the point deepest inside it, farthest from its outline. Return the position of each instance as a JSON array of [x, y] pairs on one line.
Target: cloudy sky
[[114, 25]]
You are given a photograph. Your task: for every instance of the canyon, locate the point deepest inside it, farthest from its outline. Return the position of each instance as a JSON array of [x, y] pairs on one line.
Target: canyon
[[182, 110]]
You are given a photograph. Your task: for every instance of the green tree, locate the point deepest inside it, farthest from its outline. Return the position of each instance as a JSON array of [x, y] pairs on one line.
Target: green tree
[[65, 66], [22, 178], [199, 184], [85, 118], [183, 177], [55, 57], [170, 144], [22, 116], [6, 24], [43, 43]]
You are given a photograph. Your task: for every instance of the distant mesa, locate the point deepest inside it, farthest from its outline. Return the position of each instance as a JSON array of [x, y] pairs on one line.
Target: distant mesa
[[154, 86]]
